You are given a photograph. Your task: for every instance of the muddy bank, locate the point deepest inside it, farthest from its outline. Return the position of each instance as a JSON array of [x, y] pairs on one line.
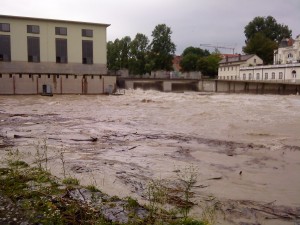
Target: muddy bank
[[245, 148]]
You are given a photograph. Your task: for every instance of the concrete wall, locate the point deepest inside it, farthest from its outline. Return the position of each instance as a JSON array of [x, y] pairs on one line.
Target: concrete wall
[[167, 86], [207, 85], [6, 84], [60, 84]]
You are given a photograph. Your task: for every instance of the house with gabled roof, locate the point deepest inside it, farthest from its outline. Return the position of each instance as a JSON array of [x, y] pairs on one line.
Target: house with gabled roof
[[229, 67]]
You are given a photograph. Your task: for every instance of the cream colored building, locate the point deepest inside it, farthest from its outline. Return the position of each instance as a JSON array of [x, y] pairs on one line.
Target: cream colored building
[[288, 51], [250, 67], [62, 56], [229, 67]]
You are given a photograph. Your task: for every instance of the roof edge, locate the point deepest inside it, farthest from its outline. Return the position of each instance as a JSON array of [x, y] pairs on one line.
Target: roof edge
[[53, 20]]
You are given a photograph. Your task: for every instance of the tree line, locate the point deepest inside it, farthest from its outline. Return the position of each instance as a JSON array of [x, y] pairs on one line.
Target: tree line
[[140, 56]]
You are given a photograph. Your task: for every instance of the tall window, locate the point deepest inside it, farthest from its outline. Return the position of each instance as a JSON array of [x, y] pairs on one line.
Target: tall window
[[60, 30], [87, 33], [33, 29], [280, 75], [257, 76], [61, 50], [250, 76], [266, 76], [273, 75], [33, 47], [244, 76], [5, 27], [5, 54], [87, 52]]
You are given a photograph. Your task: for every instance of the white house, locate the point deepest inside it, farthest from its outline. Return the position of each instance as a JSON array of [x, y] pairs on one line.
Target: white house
[[286, 66], [229, 67], [288, 51]]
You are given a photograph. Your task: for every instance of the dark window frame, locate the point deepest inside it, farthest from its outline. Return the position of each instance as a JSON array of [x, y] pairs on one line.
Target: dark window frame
[[87, 52], [33, 29], [33, 49], [61, 31], [87, 33], [5, 48], [61, 46], [5, 27]]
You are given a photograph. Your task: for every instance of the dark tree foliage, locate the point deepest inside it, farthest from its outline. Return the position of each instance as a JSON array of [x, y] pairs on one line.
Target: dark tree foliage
[[267, 26], [190, 57], [209, 65], [196, 51], [124, 46], [113, 55], [262, 37], [162, 48], [262, 46], [189, 62], [118, 54], [139, 50]]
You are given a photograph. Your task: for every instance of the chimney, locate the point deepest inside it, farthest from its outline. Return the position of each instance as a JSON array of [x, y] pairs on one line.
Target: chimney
[[226, 58], [240, 57]]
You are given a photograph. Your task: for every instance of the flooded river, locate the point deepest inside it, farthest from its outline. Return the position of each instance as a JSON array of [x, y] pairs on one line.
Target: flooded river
[[245, 148]]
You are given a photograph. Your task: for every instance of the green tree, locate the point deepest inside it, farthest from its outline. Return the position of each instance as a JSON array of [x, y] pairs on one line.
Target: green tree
[[197, 51], [113, 55], [162, 48], [209, 65], [124, 48], [262, 46], [263, 35], [189, 62], [139, 49], [190, 57], [267, 26]]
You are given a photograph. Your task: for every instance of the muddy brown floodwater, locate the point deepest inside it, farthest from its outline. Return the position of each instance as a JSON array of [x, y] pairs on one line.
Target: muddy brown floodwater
[[245, 148]]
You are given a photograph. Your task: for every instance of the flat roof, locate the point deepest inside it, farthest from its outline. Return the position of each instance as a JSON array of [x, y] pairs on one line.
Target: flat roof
[[52, 20]]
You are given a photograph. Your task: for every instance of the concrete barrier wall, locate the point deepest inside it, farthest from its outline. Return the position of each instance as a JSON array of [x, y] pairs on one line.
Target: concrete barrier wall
[[6, 84], [72, 84], [167, 86], [25, 84], [206, 85], [60, 84]]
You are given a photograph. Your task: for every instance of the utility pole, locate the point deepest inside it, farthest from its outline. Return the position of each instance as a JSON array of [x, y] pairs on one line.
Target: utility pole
[[217, 47]]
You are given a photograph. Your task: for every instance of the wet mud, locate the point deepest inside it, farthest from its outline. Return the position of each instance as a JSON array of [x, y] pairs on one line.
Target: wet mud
[[246, 148]]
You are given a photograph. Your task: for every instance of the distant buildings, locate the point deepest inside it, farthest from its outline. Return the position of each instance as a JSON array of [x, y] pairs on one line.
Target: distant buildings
[[286, 66], [64, 57]]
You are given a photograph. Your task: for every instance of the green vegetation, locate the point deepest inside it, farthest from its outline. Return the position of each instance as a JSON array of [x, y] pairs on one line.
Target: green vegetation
[[263, 34], [139, 55], [42, 198]]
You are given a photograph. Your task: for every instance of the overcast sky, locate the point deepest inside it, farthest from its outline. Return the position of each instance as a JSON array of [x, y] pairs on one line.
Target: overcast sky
[[193, 22]]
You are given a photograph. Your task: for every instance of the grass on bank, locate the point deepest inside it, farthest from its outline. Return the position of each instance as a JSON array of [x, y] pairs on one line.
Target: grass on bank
[[44, 199]]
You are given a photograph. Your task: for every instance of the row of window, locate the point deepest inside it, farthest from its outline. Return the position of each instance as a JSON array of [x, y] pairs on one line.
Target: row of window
[[35, 29], [266, 77], [33, 50], [228, 68], [49, 76], [258, 76]]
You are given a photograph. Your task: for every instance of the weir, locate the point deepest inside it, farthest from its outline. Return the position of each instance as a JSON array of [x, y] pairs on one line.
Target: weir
[[210, 85]]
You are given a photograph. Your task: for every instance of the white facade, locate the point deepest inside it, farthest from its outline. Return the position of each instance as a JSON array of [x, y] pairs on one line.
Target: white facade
[[272, 73], [286, 66], [229, 67], [288, 51]]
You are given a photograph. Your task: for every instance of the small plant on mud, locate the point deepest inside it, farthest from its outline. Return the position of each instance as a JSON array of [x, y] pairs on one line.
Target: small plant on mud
[[209, 211], [71, 181], [157, 198], [93, 186], [41, 154], [187, 178], [63, 161]]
